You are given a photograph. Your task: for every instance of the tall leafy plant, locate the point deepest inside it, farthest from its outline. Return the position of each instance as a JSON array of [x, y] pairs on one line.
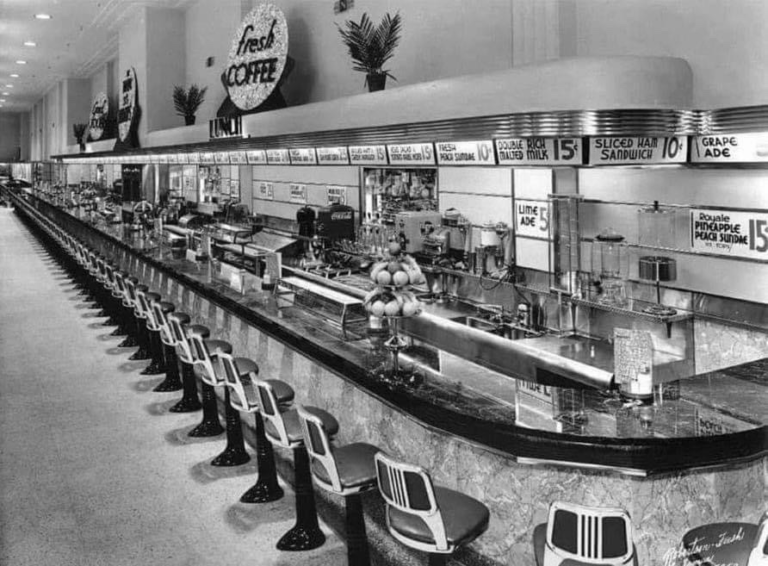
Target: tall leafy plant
[[372, 46], [187, 102]]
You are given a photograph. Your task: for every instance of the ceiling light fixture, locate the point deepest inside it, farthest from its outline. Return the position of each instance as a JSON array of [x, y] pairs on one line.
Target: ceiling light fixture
[[43, 16], [14, 75], [20, 62], [2, 99], [30, 44], [6, 94], [8, 86]]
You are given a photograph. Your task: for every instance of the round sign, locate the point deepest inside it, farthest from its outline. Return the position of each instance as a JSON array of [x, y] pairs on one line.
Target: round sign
[[257, 56], [99, 112]]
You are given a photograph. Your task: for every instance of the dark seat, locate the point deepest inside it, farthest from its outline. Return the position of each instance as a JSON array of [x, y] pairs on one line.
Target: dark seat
[[293, 431], [354, 463], [178, 323], [425, 517]]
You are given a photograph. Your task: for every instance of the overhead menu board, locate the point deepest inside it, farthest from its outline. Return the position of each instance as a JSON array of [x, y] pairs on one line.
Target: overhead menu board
[[237, 158], [730, 233], [540, 151], [466, 153], [183, 158], [332, 156], [368, 154], [207, 158], [303, 156], [221, 158], [278, 157], [411, 154], [256, 157], [730, 148], [637, 150]]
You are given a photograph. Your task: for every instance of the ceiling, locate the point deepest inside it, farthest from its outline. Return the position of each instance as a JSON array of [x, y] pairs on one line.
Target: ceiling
[[80, 37]]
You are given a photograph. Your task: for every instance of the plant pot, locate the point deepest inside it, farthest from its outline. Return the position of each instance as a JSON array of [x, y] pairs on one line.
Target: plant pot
[[375, 82], [189, 120], [81, 145]]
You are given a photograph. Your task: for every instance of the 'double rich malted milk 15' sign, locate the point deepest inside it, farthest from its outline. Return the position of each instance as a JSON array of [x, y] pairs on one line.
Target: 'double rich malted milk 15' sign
[[257, 57]]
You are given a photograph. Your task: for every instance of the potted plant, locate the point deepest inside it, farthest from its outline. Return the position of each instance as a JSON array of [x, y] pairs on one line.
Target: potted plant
[[187, 102], [372, 46], [79, 131]]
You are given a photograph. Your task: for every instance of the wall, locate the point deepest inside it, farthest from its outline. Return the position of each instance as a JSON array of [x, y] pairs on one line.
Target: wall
[[24, 135], [724, 42], [78, 106], [10, 136], [165, 67], [132, 46]]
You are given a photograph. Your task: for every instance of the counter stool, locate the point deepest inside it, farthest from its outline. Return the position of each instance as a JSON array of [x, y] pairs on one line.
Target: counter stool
[[189, 402], [102, 289], [207, 350], [127, 284], [283, 429], [161, 311], [139, 319], [239, 373], [110, 286], [420, 515], [119, 294], [152, 333], [210, 425], [347, 471]]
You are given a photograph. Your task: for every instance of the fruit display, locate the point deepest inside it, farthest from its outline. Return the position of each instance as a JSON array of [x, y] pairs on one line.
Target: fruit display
[[393, 276]]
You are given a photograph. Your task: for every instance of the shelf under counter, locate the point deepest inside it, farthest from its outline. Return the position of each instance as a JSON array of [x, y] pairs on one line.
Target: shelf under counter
[[440, 403]]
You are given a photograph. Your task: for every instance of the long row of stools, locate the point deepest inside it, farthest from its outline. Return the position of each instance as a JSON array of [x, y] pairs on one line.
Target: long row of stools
[[419, 514]]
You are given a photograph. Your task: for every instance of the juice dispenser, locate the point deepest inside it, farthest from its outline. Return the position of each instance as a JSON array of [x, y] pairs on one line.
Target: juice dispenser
[[609, 268], [657, 230]]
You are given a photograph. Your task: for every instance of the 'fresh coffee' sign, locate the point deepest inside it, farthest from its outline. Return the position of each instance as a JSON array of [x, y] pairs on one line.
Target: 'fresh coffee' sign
[[257, 57]]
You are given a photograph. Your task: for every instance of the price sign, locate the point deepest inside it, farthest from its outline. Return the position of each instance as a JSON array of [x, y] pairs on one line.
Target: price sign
[[256, 157], [724, 232], [336, 195], [278, 157], [411, 154], [173, 158], [368, 154], [194, 157], [207, 158], [466, 153], [332, 155], [221, 158], [238, 158], [539, 151], [298, 194], [266, 191], [532, 219], [729, 148], [303, 156], [637, 150]]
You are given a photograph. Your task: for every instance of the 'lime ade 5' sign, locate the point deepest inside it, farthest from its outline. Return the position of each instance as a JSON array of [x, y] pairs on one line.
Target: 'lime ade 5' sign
[[257, 57]]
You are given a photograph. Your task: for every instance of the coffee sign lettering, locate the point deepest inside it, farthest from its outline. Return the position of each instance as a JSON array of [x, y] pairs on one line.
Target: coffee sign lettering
[[99, 113], [257, 57]]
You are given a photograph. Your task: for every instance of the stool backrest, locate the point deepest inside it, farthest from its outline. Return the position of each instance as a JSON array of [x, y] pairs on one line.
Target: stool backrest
[[183, 347], [161, 321], [232, 376], [122, 288], [319, 445], [204, 358], [409, 488], [593, 535], [109, 275], [270, 410], [141, 305]]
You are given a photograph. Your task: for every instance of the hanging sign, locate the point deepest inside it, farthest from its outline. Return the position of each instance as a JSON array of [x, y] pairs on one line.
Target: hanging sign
[[303, 156], [532, 218], [336, 195], [730, 148], [127, 114], [237, 158], [332, 155], [207, 158], [368, 154], [185, 158], [725, 232], [173, 158], [256, 157], [466, 153], [257, 57], [539, 151], [99, 112], [225, 127], [278, 157], [298, 194], [637, 150], [266, 191], [411, 154], [221, 158]]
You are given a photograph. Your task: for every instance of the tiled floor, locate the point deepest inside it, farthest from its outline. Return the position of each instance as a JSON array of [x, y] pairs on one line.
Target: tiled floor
[[93, 468]]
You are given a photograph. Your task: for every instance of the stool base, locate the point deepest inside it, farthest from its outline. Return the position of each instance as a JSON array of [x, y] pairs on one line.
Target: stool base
[[211, 426], [437, 560], [157, 365], [231, 457], [357, 541], [306, 534], [189, 401], [301, 538], [262, 493], [266, 488], [234, 454]]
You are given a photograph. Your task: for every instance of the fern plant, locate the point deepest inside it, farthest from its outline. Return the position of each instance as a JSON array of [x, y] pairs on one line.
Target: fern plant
[[372, 46], [188, 102]]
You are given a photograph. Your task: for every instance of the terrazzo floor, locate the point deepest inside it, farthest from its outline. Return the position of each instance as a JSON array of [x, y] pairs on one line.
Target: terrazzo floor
[[94, 470]]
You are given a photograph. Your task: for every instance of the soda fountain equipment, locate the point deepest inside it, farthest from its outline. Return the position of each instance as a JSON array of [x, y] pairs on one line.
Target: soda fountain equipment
[[609, 268], [657, 230]]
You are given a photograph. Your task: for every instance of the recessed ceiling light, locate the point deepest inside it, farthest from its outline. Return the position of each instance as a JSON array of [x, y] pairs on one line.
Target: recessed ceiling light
[[14, 75], [20, 62], [30, 44], [43, 16], [8, 86], [6, 94], [2, 99]]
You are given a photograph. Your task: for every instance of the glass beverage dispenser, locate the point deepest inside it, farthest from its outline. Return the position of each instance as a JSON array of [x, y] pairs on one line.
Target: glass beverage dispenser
[[609, 268], [657, 230]]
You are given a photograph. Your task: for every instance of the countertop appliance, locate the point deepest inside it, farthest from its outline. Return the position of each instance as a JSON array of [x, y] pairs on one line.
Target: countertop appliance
[[412, 227]]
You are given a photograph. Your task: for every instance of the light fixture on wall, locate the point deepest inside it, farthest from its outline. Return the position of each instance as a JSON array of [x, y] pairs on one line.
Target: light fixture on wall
[[43, 16], [20, 62], [6, 94], [30, 44], [8, 86], [14, 75]]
